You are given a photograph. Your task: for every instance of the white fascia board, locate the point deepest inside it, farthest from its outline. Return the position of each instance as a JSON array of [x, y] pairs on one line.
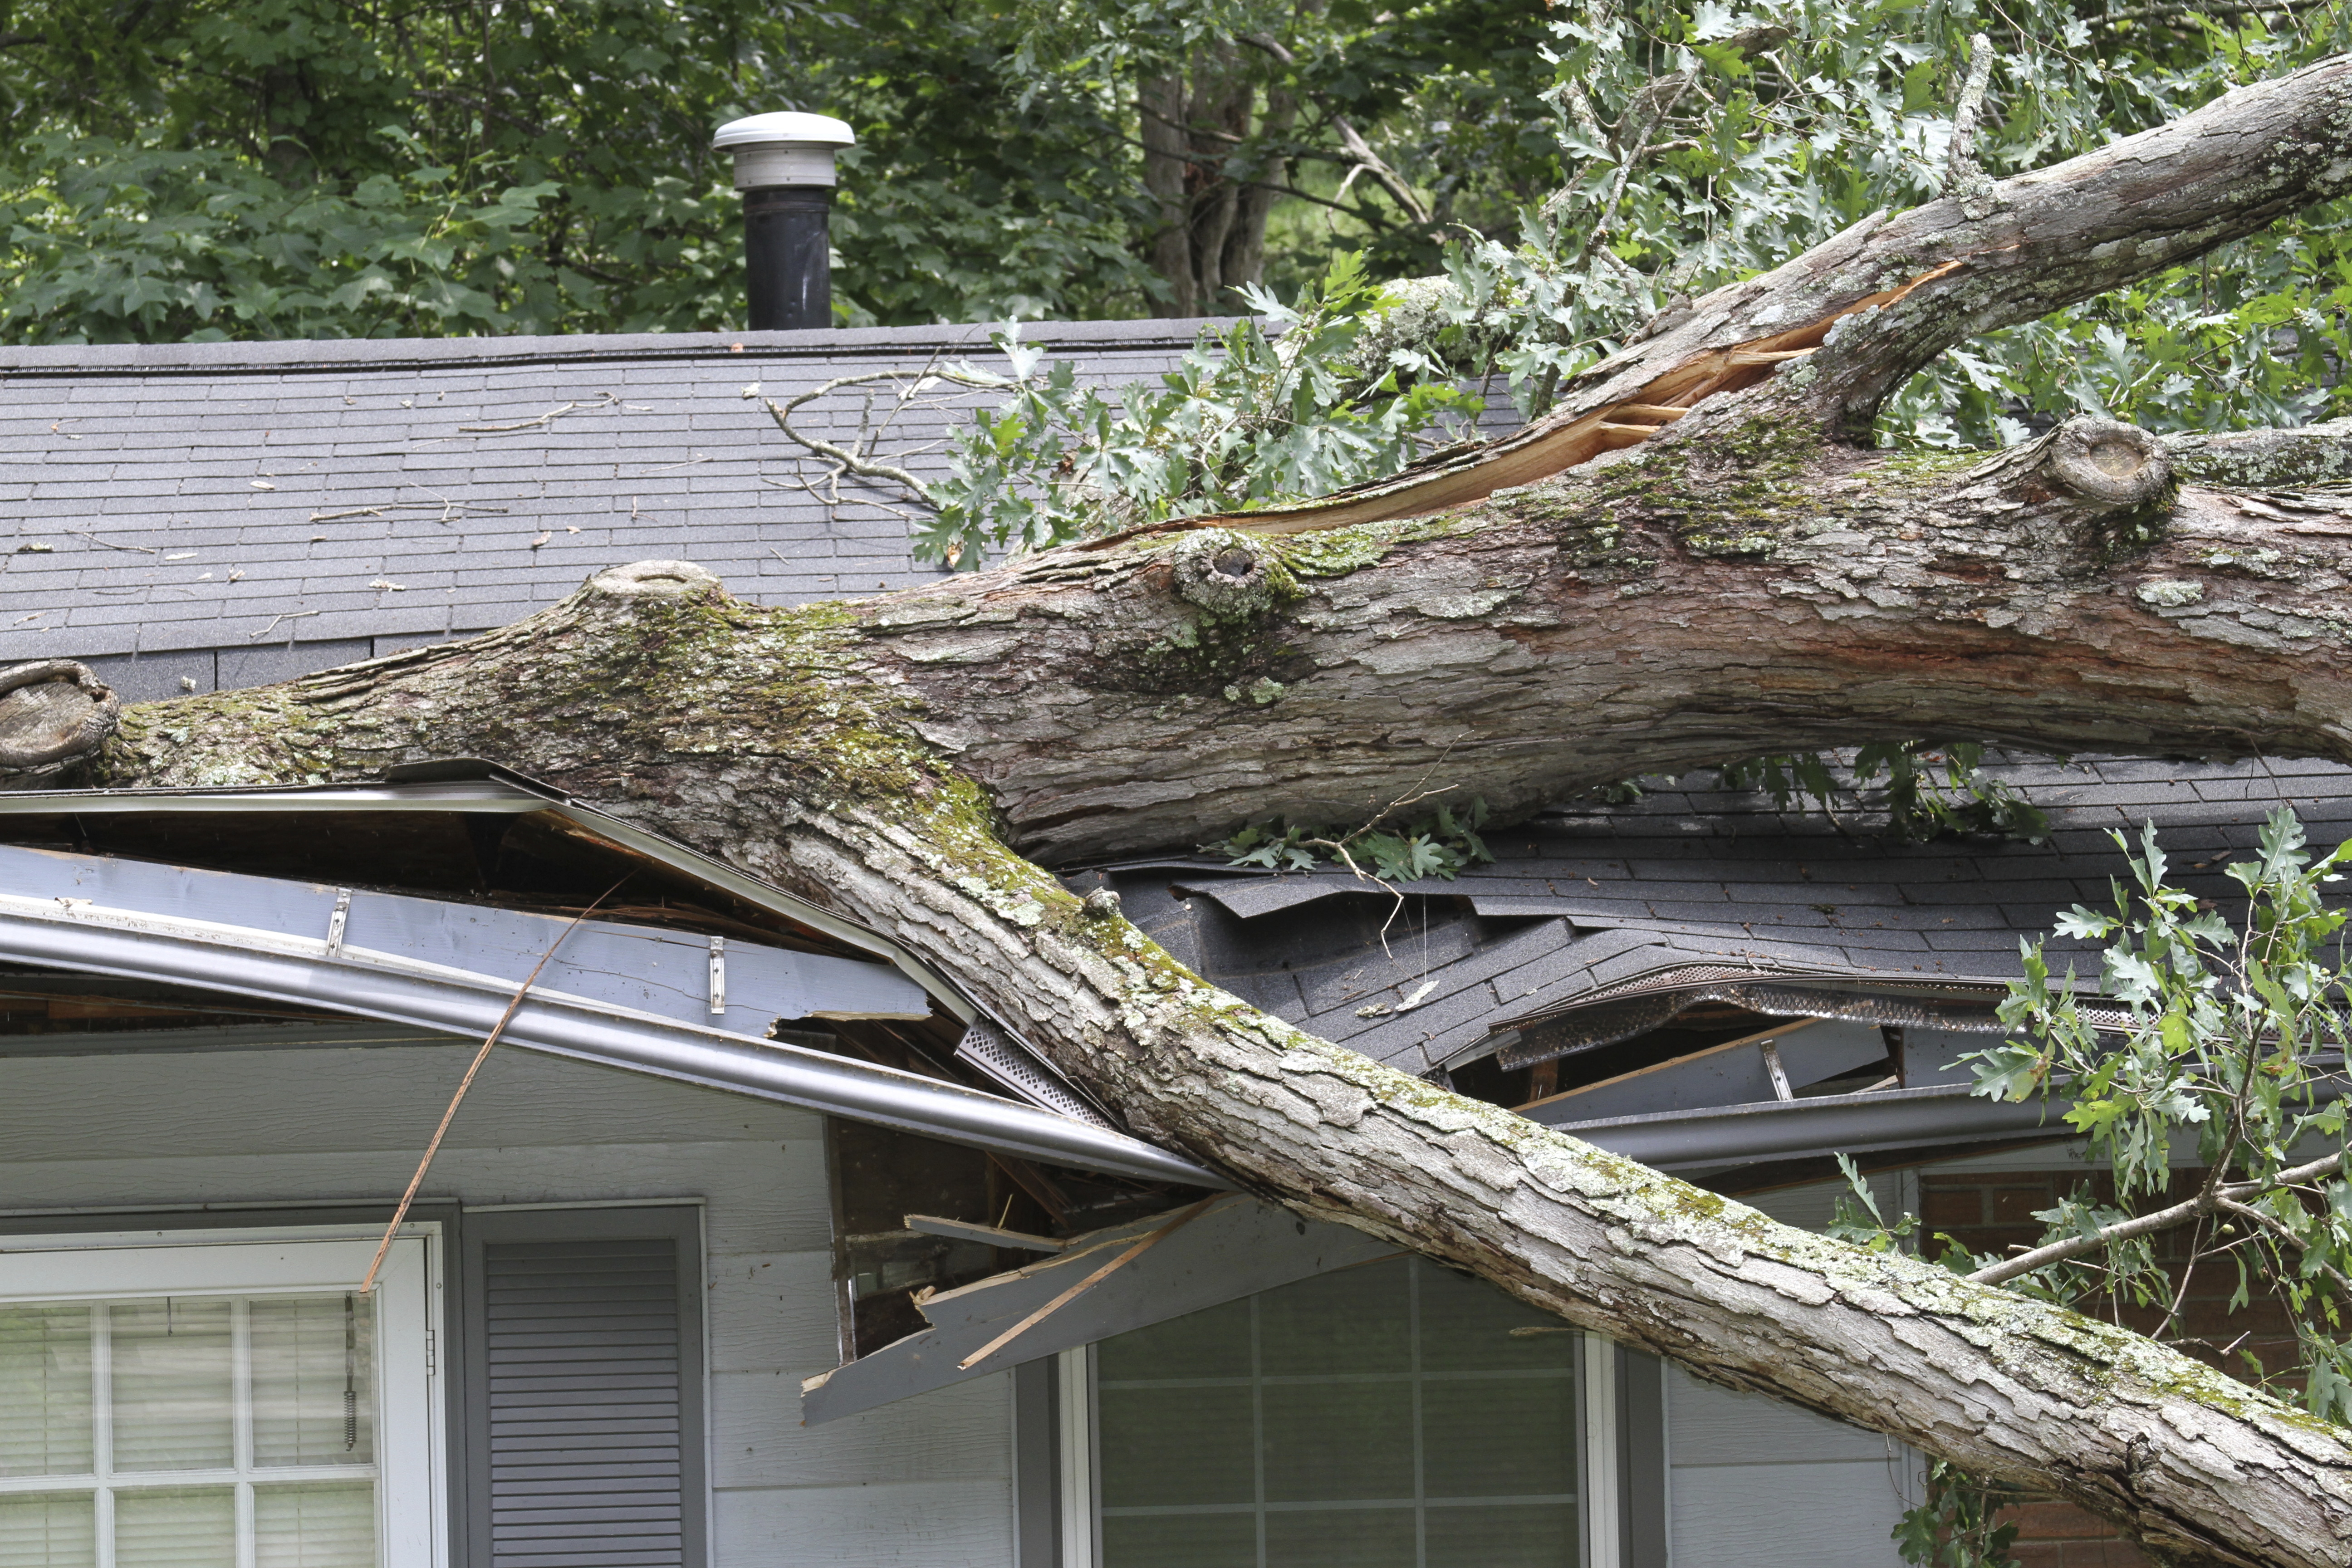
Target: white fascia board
[[512, 793], [301, 970]]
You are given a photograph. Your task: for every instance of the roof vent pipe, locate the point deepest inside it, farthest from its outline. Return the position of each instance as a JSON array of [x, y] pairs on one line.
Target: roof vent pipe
[[783, 166]]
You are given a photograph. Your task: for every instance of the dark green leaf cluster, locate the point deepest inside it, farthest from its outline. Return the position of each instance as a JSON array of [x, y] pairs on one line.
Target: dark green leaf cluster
[[1959, 1525], [1929, 789], [1439, 845], [302, 168], [1251, 417]]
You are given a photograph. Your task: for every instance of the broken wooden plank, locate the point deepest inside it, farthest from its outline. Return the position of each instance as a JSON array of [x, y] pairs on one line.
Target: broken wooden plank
[[987, 1235], [1235, 1250]]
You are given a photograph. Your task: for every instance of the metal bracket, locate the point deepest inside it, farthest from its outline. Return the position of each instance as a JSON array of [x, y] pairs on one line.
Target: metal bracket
[[1771, 1054], [336, 921], [718, 976]]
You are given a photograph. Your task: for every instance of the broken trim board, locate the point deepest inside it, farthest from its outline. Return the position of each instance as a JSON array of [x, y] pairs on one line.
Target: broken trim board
[[1234, 1249]]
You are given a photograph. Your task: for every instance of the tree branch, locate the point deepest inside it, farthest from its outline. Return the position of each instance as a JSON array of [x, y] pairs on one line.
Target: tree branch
[[1897, 292], [1966, 179], [1350, 138], [2151, 1223]]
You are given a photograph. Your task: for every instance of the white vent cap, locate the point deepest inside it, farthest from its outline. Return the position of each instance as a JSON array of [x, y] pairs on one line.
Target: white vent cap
[[806, 130]]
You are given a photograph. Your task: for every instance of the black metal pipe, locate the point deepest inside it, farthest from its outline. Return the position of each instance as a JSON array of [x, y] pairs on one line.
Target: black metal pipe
[[787, 259]]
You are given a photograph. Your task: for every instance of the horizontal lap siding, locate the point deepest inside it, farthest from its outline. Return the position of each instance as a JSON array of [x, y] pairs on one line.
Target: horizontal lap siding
[[582, 1344]]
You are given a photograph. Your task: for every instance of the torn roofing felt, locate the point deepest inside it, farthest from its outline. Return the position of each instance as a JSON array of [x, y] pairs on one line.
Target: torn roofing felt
[[1690, 889]]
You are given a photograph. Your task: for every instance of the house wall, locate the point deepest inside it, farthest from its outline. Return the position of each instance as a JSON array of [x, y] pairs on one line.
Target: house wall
[[924, 1482], [1754, 1483]]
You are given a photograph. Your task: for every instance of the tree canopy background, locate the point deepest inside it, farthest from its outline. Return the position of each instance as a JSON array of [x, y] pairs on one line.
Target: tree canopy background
[[190, 169]]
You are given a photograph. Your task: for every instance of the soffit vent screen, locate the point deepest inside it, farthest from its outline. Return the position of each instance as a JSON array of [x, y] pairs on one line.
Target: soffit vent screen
[[587, 1463]]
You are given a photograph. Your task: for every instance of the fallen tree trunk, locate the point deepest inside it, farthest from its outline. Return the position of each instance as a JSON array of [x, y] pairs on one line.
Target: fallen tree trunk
[[1687, 564]]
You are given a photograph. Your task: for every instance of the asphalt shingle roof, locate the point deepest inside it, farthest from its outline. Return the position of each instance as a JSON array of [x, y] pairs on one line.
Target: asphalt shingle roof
[[233, 514], [1579, 902]]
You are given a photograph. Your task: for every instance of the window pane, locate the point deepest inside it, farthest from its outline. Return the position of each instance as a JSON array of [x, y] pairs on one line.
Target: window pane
[[307, 1352], [1342, 1538], [314, 1527], [1466, 1326], [1210, 1343], [1490, 1436], [1173, 1446], [1182, 1541], [45, 1424], [172, 1363], [48, 1530], [175, 1528], [1508, 1536], [1387, 1419], [1357, 1320], [1339, 1441]]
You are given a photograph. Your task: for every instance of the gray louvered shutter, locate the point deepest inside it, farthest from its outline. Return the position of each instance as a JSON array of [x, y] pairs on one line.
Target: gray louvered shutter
[[590, 1424]]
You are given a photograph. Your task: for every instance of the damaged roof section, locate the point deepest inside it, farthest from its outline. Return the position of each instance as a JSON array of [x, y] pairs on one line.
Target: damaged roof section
[[1705, 981], [1688, 889], [596, 939]]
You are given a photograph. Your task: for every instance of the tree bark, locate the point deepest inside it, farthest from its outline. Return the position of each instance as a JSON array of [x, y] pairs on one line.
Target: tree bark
[[1685, 563]]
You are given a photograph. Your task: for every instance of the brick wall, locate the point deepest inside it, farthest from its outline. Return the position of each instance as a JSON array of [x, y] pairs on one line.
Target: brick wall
[[1989, 1211]]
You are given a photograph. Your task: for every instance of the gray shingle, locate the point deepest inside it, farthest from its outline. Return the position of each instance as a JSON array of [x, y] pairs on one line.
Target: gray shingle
[[158, 448]]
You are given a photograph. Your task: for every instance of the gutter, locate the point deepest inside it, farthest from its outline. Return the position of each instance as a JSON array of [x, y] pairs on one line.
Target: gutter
[[301, 972], [1848, 1124]]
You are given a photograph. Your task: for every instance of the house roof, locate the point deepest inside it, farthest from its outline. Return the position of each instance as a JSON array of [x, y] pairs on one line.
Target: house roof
[[1586, 905], [212, 516], [233, 514]]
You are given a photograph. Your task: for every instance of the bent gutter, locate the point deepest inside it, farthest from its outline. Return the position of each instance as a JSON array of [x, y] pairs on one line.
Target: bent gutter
[[494, 790], [1892, 1118], [300, 972]]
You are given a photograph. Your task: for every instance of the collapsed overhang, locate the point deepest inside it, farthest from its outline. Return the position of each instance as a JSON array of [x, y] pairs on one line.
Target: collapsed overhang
[[1100, 1284], [637, 999]]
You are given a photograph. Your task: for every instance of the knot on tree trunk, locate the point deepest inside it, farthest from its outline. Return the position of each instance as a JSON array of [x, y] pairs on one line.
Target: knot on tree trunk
[[655, 579], [51, 711], [2110, 476], [2112, 467], [1228, 573]]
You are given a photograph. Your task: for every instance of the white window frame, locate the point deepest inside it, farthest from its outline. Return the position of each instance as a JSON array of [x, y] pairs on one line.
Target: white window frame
[[412, 1513], [1594, 1379]]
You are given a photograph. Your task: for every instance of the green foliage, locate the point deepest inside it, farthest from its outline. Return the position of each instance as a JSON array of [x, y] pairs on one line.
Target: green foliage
[[2233, 1046], [1858, 1219], [1955, 1527], [1439, 845], [303, 168], [154, 246], [1247, 419], [1930, 789], [1701, 144]]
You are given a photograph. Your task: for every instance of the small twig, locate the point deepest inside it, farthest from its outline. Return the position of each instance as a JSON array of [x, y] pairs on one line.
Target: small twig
[[546, 418], [2282, 1233], [549, 418], [408, 1197], [1965, 176], [110, 544], [288, 616]]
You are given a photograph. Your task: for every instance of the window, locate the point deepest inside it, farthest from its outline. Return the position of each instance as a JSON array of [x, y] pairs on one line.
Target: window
[[1389, 1415], [215, 1402]]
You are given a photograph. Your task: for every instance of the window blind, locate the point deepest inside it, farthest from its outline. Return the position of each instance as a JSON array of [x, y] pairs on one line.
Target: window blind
[[177, 1431], [589, 1386]]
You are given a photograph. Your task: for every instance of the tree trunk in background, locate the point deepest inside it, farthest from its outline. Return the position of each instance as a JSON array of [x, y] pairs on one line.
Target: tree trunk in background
[[1213, 186], [1687, 561]]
